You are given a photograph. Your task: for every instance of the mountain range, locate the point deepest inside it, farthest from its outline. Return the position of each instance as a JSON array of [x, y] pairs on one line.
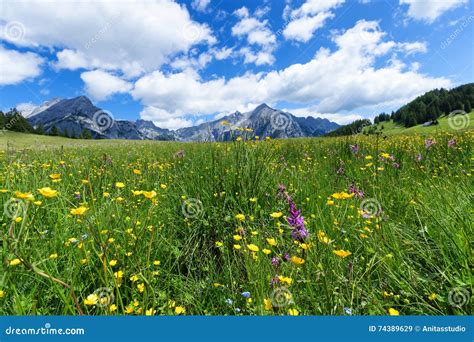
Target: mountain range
[[79, 113]]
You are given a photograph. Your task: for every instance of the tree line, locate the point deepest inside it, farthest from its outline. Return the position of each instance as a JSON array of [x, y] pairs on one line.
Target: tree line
[[425, 108], [14, 121]]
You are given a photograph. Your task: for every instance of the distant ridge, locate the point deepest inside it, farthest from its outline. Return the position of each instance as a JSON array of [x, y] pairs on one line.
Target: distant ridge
[[78, 114]]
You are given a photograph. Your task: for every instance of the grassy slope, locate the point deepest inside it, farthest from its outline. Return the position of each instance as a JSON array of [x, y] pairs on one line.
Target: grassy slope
[[18, 140], [391, 128]]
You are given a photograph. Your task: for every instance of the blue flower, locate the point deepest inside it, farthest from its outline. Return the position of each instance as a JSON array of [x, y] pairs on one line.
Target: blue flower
[[246, 294], [229, 301], [348, 311]]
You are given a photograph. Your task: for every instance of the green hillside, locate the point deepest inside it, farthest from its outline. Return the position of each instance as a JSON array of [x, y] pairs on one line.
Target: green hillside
[[462, 122]]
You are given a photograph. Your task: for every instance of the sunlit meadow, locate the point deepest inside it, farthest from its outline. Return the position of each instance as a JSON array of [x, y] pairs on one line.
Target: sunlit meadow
[[326, 226]]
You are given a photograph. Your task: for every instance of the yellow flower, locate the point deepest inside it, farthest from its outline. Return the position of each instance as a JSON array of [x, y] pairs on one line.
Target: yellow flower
[[141, 287], [329, 202], [268, 304], [219, 244], [239, 139], [342, 253], [113, 262], [322, 237], [137, 172], [157, 262], [253, 199], [118, 274], [393, 312], [112, 308], [285, 280], [432, 296], [129, 309], [237, 247], [271, 242], [15, 262], [368, 157], [150, 312], [24, 195], [179, 310], [38, 203], [385, 155], [55, 176], [387, 294], [48, 192], [119, 185], [106, 194], [134, 278], [79, 211], [297, 260], [18, 219], [53, 256], [342, 195], [137, 192], [2, 294], [240, 217], [149, 194], [237, 237], [266, 251], [91, 299], [253, 247], [276, 215], [293, 312], [163, 186]]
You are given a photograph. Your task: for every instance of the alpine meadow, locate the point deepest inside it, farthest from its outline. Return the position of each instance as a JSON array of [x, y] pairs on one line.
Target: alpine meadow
[[237, 158]]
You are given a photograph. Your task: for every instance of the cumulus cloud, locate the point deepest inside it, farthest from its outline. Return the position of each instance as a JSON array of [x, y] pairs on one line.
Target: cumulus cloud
[[106, 34], [16, 66], [257, 32], [100, 85], [429, 11], [200, 5], [309, 17], [344, 79]]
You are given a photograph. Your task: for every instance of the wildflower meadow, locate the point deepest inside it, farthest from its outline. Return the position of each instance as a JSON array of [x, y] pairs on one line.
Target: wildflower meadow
[[358, 225]]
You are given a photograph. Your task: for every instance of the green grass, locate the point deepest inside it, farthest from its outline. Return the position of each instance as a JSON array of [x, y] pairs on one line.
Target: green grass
[[391, 128], [413, 254]]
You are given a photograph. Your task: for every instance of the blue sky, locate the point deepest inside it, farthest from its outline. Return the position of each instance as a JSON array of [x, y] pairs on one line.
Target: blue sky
[[181, 63]]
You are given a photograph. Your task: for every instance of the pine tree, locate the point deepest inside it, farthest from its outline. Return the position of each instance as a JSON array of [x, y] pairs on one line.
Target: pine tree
[[40, 129], [65, 133], [54, 131], [468, 107]]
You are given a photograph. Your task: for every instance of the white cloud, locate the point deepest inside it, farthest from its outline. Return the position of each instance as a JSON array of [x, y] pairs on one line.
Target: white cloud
[[341, 119], [200, 5], [201, 61], [163, 119], [430, 10], [258, 33], [16, 67], [345, 79], [100, 85], [106, 34], [309, 17], [413, 47]]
